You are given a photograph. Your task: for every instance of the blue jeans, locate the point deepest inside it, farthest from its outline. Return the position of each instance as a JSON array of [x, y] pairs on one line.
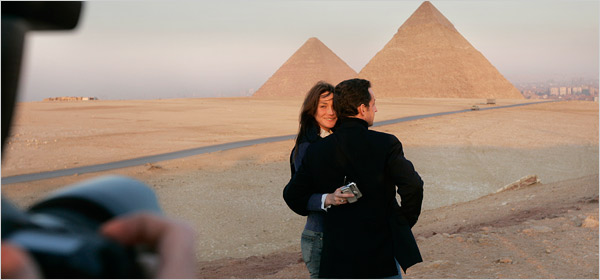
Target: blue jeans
[[399, 276], [312, 245]]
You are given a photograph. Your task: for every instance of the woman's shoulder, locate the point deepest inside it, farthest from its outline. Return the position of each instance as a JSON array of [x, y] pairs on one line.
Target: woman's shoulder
[[311, 135]]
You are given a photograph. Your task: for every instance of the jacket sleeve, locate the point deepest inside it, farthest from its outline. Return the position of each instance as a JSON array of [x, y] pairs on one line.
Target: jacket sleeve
[[292, 166], [295, 196], [295, 162], [297, 192], [408, 182], [315, 202]]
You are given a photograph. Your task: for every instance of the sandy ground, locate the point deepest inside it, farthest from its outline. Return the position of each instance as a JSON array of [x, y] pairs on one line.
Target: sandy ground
[[233, 198]]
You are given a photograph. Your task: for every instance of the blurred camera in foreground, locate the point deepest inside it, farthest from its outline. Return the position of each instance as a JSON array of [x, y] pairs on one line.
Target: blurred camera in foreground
[[61, 232]]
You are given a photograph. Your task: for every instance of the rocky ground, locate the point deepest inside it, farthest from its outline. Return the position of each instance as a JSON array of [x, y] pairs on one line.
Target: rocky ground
[[540, 231]]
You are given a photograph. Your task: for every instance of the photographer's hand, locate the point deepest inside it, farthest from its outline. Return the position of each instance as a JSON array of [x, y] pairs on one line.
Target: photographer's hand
[[337, 198], [173, 240], [16, 263]]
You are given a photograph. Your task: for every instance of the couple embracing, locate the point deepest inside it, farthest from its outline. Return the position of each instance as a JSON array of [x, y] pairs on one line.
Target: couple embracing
[[360, 234]]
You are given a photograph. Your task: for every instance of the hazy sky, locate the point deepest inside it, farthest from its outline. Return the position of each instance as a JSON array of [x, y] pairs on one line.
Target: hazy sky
[[171, 49]]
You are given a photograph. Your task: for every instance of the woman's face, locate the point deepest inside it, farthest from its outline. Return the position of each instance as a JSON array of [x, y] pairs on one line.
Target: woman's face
[[325, 114]]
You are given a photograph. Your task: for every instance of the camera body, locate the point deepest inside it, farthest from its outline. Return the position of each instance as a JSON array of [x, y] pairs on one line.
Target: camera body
[[61, 232], [351, 188], [62, 235]]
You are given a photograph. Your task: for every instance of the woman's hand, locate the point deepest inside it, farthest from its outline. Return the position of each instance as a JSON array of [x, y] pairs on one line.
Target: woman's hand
[[337, 198]]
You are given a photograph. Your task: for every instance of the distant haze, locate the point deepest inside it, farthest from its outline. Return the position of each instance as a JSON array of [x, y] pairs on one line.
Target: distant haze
[[174, 49]]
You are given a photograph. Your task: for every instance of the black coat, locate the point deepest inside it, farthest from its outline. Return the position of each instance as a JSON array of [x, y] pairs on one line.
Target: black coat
[[358, 237], [311, 135]]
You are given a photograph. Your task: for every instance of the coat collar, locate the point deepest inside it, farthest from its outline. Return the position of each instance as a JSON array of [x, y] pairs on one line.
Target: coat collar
[[352, 122]]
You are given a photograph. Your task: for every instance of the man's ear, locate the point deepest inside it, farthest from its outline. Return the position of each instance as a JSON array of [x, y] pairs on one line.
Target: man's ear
[[361, 109]]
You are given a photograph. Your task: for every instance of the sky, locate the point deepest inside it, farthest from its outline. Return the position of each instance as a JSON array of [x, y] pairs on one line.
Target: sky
[[127, 50]]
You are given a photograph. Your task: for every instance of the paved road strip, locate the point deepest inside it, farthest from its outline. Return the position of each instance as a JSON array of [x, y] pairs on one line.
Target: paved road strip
[[204, 150]]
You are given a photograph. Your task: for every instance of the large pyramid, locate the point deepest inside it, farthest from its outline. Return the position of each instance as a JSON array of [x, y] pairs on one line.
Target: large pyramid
[[311, 63], [428, 57]]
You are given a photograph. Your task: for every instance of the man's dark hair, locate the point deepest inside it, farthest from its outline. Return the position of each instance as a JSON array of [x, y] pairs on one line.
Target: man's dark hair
[[348, 95]]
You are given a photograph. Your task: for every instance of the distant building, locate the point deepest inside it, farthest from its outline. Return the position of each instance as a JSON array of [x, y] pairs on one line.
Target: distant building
[[553, 91], [70, 98], [563, 91]]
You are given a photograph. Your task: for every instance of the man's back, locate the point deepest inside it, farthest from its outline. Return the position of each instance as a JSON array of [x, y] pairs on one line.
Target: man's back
[[357, 237]]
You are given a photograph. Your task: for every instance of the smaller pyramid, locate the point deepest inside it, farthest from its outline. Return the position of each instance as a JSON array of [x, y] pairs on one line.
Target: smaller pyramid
[[311, 63]]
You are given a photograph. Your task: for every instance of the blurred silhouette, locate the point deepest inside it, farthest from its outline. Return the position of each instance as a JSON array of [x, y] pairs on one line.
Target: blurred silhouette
[[108, 227]]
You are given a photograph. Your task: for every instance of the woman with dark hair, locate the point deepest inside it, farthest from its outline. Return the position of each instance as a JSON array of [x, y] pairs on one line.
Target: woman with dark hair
[[317, 119]]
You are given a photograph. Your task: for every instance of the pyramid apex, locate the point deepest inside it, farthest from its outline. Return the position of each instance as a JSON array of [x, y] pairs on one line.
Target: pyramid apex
[[313, 40], [312, 44], [427, 13]]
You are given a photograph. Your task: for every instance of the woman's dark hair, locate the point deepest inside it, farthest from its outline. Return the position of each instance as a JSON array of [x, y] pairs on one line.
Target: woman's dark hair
[[308, 111], [348, 96]]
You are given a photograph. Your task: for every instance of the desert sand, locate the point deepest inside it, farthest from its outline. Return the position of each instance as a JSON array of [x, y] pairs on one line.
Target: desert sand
[[245, 230]]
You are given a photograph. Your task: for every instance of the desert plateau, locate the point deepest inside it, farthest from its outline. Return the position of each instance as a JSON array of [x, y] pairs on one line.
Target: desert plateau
[[510, 183], [233, 198]]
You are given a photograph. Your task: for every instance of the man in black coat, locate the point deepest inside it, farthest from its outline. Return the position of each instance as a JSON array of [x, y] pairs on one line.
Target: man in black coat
[[360, 239]]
